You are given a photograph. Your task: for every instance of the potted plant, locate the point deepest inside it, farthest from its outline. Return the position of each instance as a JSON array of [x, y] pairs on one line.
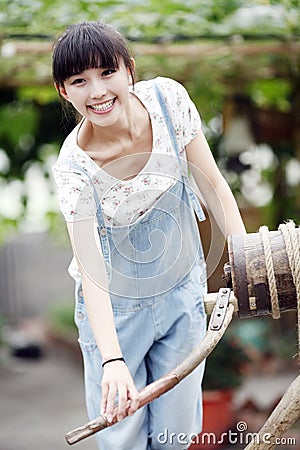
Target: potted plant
[[223, 374]]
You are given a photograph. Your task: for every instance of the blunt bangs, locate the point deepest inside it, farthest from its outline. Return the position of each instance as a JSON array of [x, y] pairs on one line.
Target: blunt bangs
[[88, 45]]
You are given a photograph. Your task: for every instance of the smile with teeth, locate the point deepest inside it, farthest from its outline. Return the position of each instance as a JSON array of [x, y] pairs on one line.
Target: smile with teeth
[[103, 106]]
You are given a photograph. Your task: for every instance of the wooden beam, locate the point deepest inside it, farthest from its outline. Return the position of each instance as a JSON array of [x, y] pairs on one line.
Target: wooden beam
[[238, 47], [199, 49]]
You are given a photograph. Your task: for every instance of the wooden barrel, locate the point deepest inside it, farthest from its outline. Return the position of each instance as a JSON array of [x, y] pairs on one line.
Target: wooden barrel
[[249, 277]]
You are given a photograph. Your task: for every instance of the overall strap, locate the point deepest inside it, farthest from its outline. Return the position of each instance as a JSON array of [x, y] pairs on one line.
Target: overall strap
[[195, 202], [168, 121]]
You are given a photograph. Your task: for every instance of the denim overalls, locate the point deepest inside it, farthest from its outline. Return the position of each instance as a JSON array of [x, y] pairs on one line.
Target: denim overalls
[[157, 281]]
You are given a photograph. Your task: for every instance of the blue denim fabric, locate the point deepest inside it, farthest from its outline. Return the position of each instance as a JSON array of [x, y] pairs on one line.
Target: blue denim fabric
[[156, 334], [157, 252], [157, 285]]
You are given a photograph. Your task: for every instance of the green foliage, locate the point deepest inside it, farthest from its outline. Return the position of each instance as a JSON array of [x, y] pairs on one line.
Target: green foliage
[[41, 95], [30, 136], [224, 366], [31, 125], [147, 19], [274, 93], [8, 226], [60, 317], [24, 118]]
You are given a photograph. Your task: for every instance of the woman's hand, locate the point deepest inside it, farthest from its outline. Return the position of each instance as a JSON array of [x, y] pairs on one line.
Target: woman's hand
[[117, 382]]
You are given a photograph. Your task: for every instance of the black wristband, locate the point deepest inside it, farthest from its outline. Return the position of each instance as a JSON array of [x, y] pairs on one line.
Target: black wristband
[[112, 360]]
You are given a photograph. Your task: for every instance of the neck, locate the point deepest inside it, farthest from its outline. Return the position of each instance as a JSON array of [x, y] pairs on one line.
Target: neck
[[129, 135]]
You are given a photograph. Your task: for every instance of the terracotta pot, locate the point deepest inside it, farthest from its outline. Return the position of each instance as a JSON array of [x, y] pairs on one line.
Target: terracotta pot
[[217, 419]]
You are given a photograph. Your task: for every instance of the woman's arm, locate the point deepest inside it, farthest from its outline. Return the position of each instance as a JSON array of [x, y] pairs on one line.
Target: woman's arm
[[116, 377], [213, 187]]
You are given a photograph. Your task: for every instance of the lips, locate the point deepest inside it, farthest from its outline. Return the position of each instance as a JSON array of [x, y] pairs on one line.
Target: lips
[[103, 107]]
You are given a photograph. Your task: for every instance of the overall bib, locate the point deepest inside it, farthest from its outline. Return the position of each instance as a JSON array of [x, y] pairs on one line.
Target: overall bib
[[157, 280]]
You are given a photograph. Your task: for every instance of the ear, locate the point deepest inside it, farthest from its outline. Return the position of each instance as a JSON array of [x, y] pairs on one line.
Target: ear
[[61, 91], [131, 73], [132, 60]]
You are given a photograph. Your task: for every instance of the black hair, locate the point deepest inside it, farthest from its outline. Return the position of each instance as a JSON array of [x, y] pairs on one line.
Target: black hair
[[88, 45]]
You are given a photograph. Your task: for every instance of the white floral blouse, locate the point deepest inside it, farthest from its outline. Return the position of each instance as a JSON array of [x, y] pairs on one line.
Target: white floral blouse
[[124, 201]]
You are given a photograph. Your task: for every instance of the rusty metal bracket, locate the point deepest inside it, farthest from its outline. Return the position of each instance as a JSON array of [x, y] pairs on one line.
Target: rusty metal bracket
[[219, 311]]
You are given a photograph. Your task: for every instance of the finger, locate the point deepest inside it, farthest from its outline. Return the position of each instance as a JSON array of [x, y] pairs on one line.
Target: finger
[[134, 396], [104, 398], [122, 393], [111, 397]]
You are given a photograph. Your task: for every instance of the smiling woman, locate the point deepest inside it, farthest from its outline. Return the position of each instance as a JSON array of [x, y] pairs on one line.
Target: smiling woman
[[140, 279]]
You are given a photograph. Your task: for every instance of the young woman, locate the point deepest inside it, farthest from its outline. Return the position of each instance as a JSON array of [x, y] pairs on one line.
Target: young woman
[[124, 190]]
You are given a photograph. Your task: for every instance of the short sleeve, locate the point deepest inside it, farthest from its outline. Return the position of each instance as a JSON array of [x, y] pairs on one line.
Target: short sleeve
[[185, 116], [75, 194]]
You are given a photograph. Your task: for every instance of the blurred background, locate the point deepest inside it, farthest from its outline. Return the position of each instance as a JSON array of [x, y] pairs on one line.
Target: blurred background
[[239, 60]]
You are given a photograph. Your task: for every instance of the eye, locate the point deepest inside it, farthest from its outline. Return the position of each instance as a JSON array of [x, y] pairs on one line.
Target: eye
[[78, 81], [108, 72]]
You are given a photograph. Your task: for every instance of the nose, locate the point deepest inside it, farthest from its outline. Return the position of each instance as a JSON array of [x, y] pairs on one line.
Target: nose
[[98, 89]]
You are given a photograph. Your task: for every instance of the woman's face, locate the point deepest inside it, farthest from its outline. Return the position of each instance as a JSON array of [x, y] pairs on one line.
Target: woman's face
[[100, 94]]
